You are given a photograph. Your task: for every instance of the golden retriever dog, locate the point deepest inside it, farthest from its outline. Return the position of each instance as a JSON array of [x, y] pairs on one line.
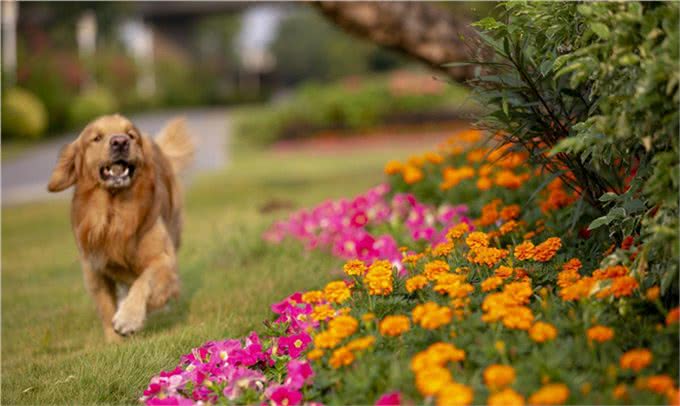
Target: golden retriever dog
[[126, 215]]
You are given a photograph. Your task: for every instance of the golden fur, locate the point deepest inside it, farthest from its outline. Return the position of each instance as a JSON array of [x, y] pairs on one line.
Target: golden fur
[[127, 231]]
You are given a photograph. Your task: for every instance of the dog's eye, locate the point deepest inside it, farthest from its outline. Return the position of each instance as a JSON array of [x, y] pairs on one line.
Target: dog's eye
[[97, 138], [131, 133]]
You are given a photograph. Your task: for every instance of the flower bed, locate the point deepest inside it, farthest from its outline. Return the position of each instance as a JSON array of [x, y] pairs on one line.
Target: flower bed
[[503, 300]]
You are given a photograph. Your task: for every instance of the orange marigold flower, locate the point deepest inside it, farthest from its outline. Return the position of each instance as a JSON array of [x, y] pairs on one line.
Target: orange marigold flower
[[620, 392], [541, 332], [544, 251], [580, 289], [393, 167], [430, 381], [412, 258], [504, 271], [359, 344], [510, 212], [491, 283], [337, 292], [431, 316], [434, 268], [343, 326], [551, 394], [315, 354], [416, 282], [486, 256], [326, 339], [484, 183], [312, 297], [442, 249], [411, 174], [489, 213], [622, 286], [653, 293], [378, 279], [322, 312], [610, 272], [573, 264], [673, 316], [659, 383], [341, 357], [452, 284], [518, 317], [600, 333], [453, 176], [499, 376], [394, 326], [355, 267], [457, 231], [508, 179], [477, 239], [518, 292], [455, 394], [506, 397], [367, 317], [508, 227], [445, 352], [636, 359], [524, 251], [567, 278], [434, 157]]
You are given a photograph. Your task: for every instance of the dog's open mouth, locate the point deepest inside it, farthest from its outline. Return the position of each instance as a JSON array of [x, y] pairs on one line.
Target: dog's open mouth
[[117, 173]]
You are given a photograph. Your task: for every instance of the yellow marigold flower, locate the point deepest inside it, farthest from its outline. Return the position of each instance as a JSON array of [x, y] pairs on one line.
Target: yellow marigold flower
[[518, 292], [484, 183], [315, 354], [620, 392], [495, 307], [636, 359], [337, 292], [378, 279], [506, 397], [518, 317], [445, 352], [652, 293], [499, 376], [551, 394], [455, 394], [503, 271], [416, 282], [524, 251], [434, 268], [486, 256], [546, 250], [457, 231], [510, 212], [448, 283], [367, 317], [343, 326], [411, 174], [341, 357], [673, 316], [508, 227], [434, 157], [393, 167], [312, 297], [430, 381], [659, 383], [354, 267], [431, 316], [326, 339], [394, 326], [491, 283], [360, 344], [477, 239], [541, 332], [442, 249], [600, 334], [322, 312]]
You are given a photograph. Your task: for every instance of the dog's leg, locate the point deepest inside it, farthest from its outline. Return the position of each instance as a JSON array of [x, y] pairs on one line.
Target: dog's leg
[[157, 283], [103, 292]]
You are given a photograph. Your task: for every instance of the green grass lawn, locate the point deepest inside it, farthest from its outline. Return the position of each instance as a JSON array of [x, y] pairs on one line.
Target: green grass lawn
[[53, 350]]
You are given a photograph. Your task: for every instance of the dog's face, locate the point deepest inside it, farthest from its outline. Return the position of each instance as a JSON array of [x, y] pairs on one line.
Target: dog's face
[[108, 153]]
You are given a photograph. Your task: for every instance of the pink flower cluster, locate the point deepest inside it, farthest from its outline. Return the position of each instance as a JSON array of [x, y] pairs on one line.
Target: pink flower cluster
[[350, 227], [230, 371]]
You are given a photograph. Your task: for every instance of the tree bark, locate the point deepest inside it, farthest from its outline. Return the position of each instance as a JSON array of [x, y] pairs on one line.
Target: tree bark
[[422, 30]]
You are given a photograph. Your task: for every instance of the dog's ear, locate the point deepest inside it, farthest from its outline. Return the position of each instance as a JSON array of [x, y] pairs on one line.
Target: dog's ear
[[64, 173]]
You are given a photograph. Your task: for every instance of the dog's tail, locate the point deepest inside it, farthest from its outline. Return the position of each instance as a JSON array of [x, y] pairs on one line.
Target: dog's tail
[[176, 143]]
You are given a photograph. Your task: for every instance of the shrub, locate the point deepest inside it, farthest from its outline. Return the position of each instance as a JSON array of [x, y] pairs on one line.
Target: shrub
[[23, 114], [591, 92], [90, 104]]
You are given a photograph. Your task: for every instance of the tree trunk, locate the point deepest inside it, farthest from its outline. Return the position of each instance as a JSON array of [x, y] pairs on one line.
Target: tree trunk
[[422, 30]]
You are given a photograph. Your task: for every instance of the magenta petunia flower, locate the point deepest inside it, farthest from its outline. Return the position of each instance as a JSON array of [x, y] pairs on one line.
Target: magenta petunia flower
[[284, 395], [294, 344], [389, 399]]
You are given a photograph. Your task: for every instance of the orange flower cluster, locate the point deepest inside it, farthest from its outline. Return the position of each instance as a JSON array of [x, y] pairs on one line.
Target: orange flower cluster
[[556, 197], [394, 326], [355, 267], [337, 292], [434, 379], [379, 279], [509, 307], [551, 394], [415, 283], [612, 281], [435, 268], [431, 316], [636, 359], [453, 176], [600, 334], [541, 332]]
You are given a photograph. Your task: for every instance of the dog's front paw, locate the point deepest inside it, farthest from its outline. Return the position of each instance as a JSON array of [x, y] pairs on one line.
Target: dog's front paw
[[128, 319]]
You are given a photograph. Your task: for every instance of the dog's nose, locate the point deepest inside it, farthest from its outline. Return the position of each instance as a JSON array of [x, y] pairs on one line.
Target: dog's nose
[[119, 143]]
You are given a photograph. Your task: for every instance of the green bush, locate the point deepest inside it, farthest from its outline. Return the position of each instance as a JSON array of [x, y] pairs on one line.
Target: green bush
[[591, 91], [23, 114], [90, 104]]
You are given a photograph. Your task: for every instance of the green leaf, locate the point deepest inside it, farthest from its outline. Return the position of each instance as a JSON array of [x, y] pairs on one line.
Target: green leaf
[[599, 222], [607, 197], [601, 30]]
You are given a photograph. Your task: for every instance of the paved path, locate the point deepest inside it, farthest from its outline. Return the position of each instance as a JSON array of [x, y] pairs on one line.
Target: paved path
[[24, 178]]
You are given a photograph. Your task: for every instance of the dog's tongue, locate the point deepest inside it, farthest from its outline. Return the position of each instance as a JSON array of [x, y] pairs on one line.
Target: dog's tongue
[[117, 169]]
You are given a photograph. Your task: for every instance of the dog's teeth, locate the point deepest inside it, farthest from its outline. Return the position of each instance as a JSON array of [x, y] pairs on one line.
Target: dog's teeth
[[125, 172]]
